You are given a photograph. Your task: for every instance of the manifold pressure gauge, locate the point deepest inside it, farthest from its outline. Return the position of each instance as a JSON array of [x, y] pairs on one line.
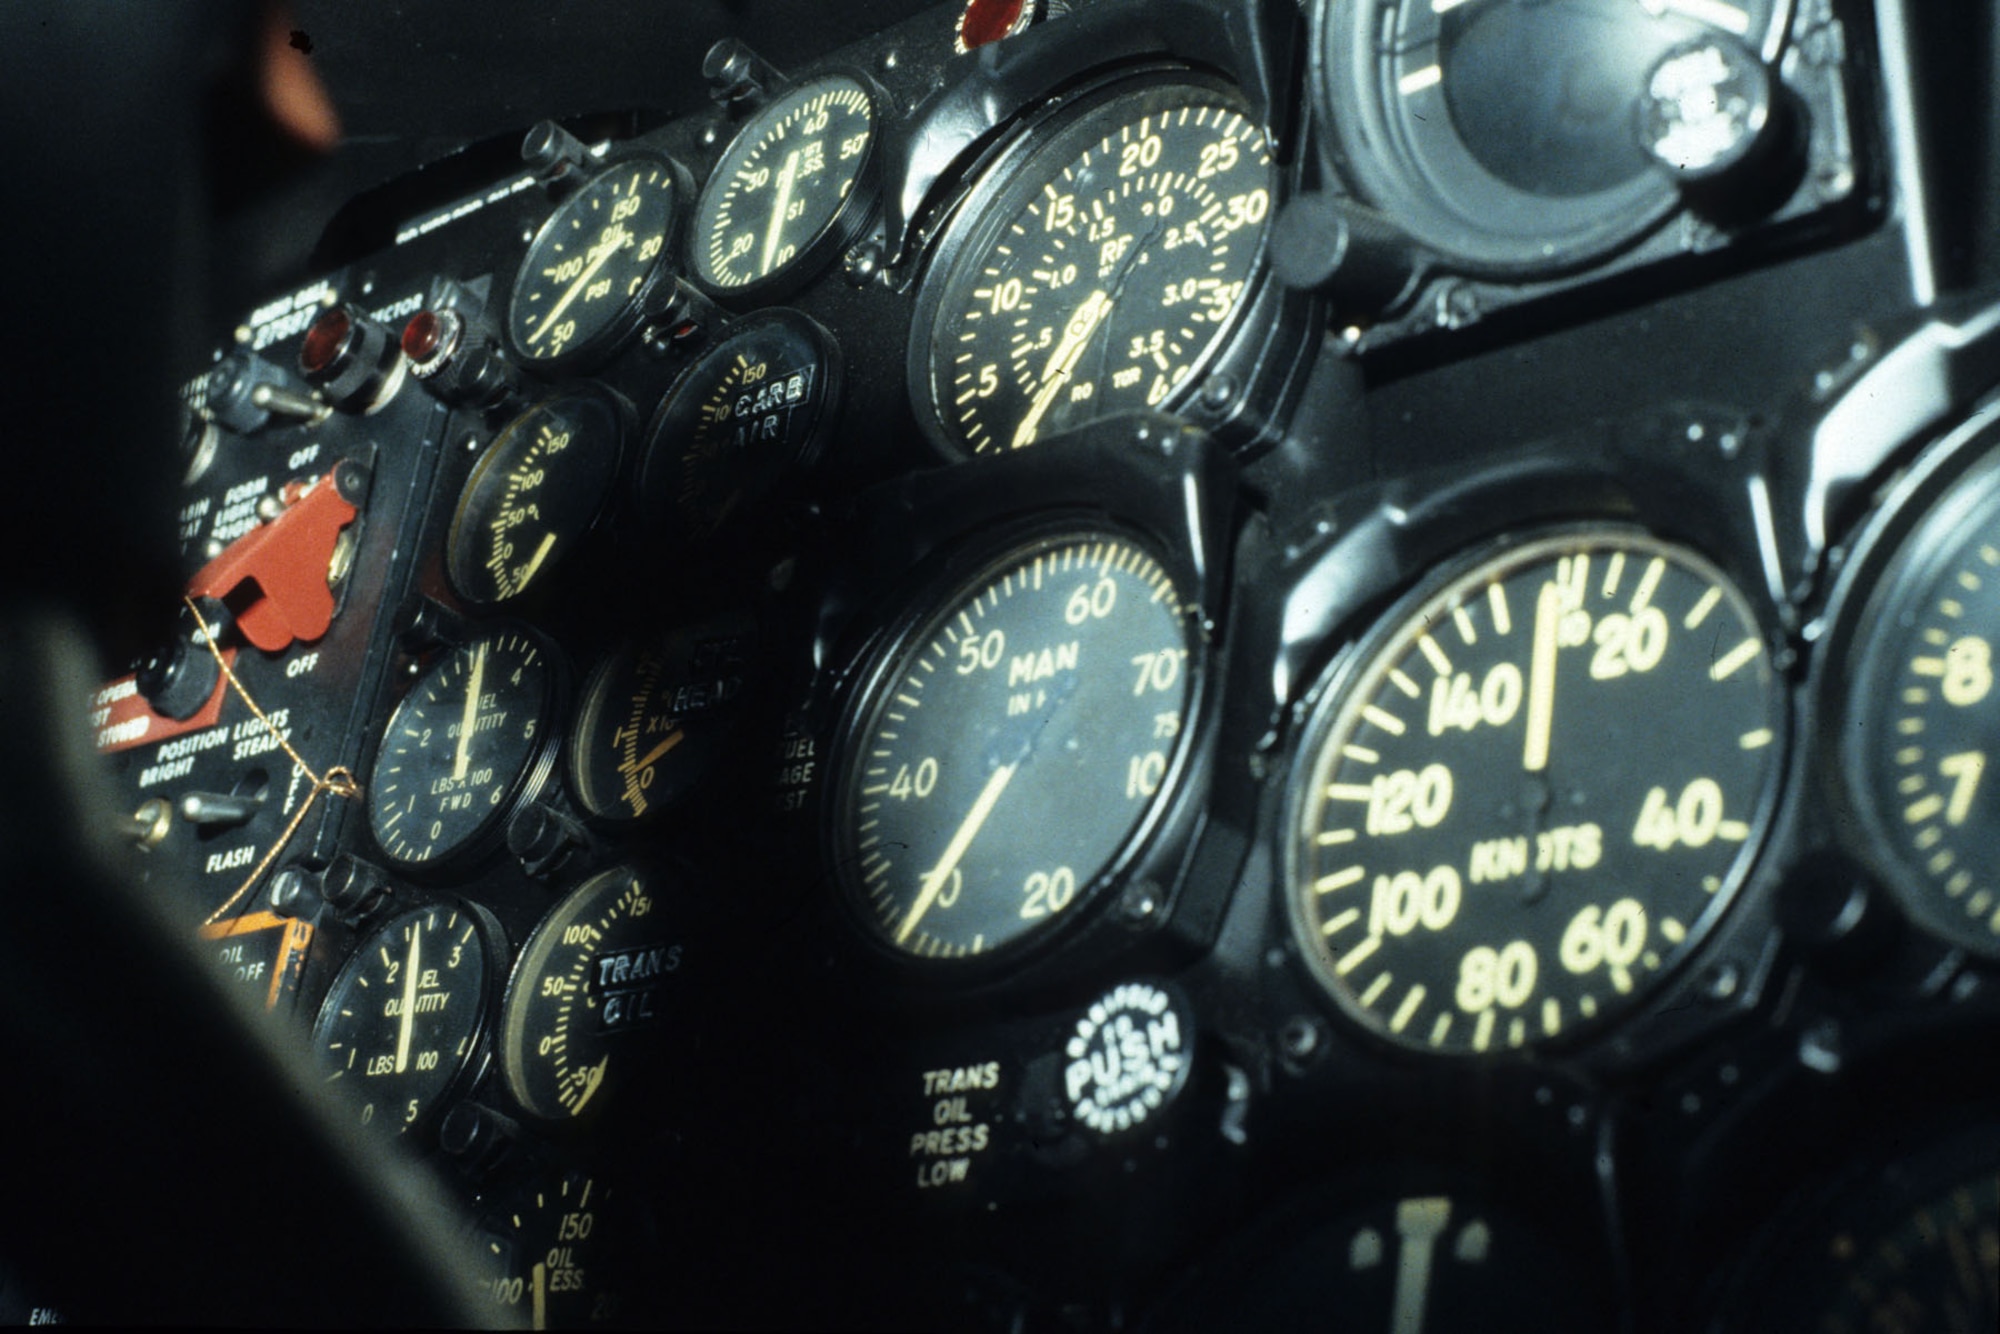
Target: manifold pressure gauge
[[588, 988], [588, 270], [471, 735], [405, 1014], [790, 190], [1097, 271], [1529, 794], [535, 492], [1011, 751], [1923, 716]]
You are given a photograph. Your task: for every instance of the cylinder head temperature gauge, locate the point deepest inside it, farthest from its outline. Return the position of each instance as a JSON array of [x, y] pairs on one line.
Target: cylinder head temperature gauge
[[1012, 751], [535, 492], [1527, 796]]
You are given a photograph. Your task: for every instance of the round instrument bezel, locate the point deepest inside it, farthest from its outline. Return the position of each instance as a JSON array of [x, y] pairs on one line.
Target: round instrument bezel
[[974, 566], [1336, 697]]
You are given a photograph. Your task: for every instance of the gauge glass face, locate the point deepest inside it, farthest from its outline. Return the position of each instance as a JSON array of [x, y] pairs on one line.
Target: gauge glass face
[[549, 1255], [656, 718], [401, 1019], [459, 746], [1012, 746], [588, 989], [749, 414], [1925, 717], [1102, 275], [1533, 796], [536, 491], [591, 261], [783, 184], [1505, 132]]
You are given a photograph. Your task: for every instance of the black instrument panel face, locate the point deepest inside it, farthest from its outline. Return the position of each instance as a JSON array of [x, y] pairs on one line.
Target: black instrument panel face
[[1138, 656]]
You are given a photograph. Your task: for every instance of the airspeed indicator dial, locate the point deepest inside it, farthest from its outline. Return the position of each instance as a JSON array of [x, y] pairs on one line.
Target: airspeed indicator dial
[[1100, 274], [1013, 750], [1532, 793]]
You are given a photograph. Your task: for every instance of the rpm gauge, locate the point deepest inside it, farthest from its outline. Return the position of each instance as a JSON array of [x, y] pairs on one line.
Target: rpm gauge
[[1012, 750], [1525, 799], [1097, 272]]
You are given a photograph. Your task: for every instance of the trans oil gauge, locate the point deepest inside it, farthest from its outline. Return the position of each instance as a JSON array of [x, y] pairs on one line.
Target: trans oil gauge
[[1532, 791], [1098, 271], [1012, 749], [588, 989]]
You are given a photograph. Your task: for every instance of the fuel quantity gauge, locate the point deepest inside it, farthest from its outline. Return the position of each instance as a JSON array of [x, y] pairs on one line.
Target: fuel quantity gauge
[[471, 735], [535, 492], [404, 1016]]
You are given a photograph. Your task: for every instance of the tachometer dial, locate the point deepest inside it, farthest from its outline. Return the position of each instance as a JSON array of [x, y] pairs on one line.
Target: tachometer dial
[[1533, 791], [402, 1019], [1504, 134], [588, 269], [538, 489], [1099, 271], [587, 989], [1012, 749], [470, 735], [1923, 716], [751, 413], [789, 190], [655, 718]]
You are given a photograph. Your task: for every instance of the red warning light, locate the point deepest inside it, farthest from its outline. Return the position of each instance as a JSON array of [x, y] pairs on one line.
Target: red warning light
[[989, 20]]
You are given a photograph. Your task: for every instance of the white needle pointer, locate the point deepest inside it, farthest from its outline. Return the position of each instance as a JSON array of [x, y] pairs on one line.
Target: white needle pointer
[[787, 175], [989, 796], [468, 722], [1062, 364], [409, 999], [1542, 679]]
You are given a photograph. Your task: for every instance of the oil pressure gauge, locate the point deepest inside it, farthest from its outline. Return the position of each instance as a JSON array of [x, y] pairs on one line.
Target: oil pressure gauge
[[589, 269], [1525, 798], [1011, 752]]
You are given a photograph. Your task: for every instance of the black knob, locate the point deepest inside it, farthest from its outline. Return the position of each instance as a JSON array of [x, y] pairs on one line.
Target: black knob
[[546, 838], [295, 892], [738, 77], [1321, 243], [354, 888], [558, 158], [423, 623], [481, 1139]]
